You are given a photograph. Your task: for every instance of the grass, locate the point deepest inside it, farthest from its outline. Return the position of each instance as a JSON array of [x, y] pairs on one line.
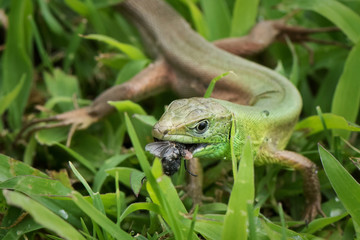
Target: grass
[[65, 47]]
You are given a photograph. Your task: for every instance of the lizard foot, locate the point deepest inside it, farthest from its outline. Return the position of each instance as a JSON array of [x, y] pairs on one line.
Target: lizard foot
[[312, 210], [77, 119]]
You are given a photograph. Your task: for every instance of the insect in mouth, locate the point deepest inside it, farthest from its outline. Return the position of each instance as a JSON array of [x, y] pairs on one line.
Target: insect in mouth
[[171, 154]]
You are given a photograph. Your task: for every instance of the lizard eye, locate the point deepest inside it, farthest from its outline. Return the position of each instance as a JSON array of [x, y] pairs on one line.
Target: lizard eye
[[202, 126]]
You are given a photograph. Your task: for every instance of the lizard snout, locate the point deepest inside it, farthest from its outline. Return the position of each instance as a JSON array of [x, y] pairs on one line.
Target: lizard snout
[[160, 130]]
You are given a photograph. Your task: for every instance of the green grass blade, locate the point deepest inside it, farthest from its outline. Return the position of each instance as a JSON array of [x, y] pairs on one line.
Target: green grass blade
[[252, 222], [99, 218], [139, 206], [339, 178], [73, 46], [313, 124], [341, 15], [50, 20], [217, 16], [242, 194], [294, 75], [16, 60], [30, 151], [7, 99], [78, 6], [95, 17], [101, 174], [130, 69], [40, 46], [128, 106], [34, 185], [78, 157], [234, 161], [346, 101], [211, 86], [322, 120], [197, 18], [10, 168], [244, 17], [167, 209], [193, 221], [43, 215], [82, 180], [321, 223], [131, 51], [282, 220], [94, 196]]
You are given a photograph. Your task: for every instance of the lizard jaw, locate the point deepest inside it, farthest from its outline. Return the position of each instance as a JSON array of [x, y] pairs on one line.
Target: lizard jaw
[[192, 148]]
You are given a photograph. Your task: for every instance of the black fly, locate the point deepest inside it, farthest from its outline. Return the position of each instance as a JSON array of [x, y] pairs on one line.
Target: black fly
[[170, 153]]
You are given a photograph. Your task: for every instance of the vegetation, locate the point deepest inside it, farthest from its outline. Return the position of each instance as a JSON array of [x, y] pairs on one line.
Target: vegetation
[[56, 55]]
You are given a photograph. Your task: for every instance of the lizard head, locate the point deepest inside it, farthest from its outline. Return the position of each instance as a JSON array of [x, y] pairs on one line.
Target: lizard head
[[201, 124]]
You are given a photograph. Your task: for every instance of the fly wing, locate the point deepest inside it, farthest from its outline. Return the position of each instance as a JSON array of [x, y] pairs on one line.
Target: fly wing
[[160, 149]]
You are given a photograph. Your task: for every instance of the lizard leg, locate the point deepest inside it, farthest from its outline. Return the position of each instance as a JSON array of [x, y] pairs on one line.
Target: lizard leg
[[311, 184], [150, 81], [261, 36], [195, 184], [266, 32]]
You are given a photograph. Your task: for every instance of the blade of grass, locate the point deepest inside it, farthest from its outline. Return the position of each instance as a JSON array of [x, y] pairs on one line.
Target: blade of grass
[[321, 223], [233, 157], [101, 174], [10, 168], [341, 15], [282, 219], [16, 61], [139, 206], [252, 225], [294, 75], [50, 20], [99, 218], [128, 106], [168, 209], [197, 18], [193, 221], [30, 151], [131, 51], [97, 202], [244, 16], [43, 215], [346, 101], [211, 86], [242, 194], [217, 16], [313, 124], [327, 133], [95, 17], [7, 99], [78, 157], [40, 46], [73, 46], [339, 177], [78, 6]]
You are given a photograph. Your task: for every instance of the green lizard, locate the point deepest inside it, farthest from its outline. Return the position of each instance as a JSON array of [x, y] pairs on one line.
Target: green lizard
[[272, 103], [264, 104]]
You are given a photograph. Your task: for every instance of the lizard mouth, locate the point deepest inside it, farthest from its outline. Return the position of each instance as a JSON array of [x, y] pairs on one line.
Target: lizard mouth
[[174, 150], [188, 147]]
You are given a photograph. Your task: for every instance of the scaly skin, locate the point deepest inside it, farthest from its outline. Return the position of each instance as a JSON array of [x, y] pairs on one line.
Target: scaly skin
[[272, 103]]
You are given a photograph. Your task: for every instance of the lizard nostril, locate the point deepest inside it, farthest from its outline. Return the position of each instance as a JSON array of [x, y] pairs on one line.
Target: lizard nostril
[[166, 132]]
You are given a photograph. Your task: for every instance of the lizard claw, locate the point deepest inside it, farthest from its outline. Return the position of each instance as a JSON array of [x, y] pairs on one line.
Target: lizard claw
[[312, 210], [77, 119]]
